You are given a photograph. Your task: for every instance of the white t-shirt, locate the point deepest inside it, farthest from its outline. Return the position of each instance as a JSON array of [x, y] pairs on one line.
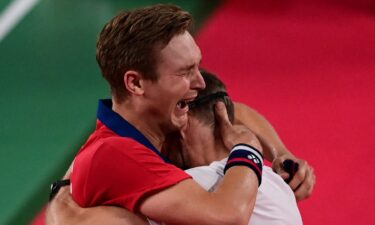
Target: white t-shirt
[[275, 203]]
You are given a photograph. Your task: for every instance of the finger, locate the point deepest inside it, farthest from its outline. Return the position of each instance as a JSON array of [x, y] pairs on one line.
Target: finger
[[221, 114], [308, 187], [225, 127], [277, 163], [298, 178], [284, 175], [277, 166], [305, 189]]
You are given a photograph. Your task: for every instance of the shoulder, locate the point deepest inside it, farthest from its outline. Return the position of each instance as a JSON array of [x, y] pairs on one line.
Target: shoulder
[[241, 107], [208, 176], [241, 110], [111, 147], [274, 190], [114, 155], [275, 201], [124, 155], [120, 171]]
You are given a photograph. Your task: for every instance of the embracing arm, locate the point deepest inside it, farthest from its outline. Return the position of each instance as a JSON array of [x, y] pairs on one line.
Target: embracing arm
[[275, 151], [62, 210], [183, 203], [272, 145], [188, 203]]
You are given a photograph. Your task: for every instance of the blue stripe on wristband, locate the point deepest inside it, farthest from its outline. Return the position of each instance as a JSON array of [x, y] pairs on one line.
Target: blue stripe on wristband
[[249, 148], [246, 155]]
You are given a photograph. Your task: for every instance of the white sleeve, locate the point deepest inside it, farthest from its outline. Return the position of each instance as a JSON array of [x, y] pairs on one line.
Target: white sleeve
[[275, 203], [208, 176]]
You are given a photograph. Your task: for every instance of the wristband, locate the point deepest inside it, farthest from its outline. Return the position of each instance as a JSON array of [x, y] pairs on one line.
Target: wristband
[[55, 187], [246, 155]]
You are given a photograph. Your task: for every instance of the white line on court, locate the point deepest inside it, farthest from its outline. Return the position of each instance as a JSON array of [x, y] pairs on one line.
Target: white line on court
[[13, 14]]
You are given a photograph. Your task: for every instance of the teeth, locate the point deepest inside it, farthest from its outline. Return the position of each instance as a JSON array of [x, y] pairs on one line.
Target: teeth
[[181, 104]]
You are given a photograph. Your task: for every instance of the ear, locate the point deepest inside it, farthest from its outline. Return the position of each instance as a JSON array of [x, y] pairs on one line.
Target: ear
[[133, 82]]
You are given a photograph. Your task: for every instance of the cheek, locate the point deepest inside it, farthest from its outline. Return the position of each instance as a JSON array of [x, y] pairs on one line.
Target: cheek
[[177, 88], [181, 85], [172, 90]]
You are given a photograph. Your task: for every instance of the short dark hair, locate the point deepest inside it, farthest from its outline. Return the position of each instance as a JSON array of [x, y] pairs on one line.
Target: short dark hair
[[133, 39], [203, 107]]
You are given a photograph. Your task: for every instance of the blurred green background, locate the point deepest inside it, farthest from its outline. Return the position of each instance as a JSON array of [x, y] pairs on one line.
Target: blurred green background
[[50, 84]]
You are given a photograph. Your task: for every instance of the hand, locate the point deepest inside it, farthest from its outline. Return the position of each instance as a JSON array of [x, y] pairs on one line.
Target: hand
[[304, 179], [234, 134]]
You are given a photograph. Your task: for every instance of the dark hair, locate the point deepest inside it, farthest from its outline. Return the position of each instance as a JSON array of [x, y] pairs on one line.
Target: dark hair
[[133, 39], [203, 106]]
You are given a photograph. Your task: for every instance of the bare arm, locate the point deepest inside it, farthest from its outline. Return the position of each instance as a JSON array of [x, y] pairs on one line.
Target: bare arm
[[275, 150], [272, 145], [63, 211]]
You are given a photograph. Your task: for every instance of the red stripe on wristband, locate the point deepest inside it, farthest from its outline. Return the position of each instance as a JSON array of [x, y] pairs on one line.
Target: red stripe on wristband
[[247, 161]]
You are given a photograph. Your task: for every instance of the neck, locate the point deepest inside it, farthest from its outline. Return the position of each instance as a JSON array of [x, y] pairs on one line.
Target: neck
[[136, 117], [221, 151], [205, 152]]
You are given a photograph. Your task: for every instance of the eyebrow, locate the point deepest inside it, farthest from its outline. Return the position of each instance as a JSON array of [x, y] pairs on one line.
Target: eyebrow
[[186, 68], [190, 67]]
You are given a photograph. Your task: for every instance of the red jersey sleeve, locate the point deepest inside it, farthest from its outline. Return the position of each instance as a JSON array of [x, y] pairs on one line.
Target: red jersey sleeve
[[120, 171]]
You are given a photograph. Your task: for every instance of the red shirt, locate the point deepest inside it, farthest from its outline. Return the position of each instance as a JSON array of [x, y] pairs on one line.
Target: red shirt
[[119, 166]]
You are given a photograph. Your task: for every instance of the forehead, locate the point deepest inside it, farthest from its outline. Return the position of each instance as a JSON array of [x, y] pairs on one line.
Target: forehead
[[181, 52]]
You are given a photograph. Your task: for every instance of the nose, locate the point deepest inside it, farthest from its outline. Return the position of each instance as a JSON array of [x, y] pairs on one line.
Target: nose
[[198, 81]]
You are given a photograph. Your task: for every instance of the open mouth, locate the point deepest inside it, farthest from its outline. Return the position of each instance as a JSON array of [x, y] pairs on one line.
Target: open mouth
[[184, 103]]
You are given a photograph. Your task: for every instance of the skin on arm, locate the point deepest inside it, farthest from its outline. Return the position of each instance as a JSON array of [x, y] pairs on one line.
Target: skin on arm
[[272, 145], [62, 210], [232, 202], [275, 151]]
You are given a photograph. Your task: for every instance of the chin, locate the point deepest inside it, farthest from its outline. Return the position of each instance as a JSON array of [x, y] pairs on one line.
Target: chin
[[179, 123]]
